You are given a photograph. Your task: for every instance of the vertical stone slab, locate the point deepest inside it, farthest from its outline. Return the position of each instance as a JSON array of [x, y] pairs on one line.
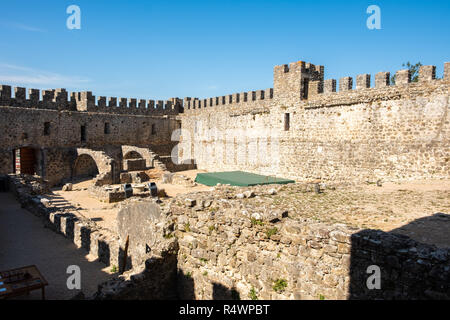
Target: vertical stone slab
[[363, 81], [132, 103], [5, 95], [101, 102], [260, 95], [33, 97], [236, 98], [268, 94], [150, 105], [251, 96], [345, 84], [447, 71], [329, 86], [112, 102], [160, 105], [61, 99], [142, 104], [427, 73], [19, 95], [315, 88], [403, 77], [187, 103], [123, 102], [243, 97], [382, 79]]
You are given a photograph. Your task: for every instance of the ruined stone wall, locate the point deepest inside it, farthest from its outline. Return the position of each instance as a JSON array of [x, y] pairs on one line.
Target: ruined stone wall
[[392, 132], [226, 252]]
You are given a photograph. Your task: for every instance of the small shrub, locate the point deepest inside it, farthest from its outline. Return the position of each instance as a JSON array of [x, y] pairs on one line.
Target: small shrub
[[114, 269], [257, 222], [187, 227], [252, 294], [205, 273], [271, 232], [321, 297], [279, 285], [188, 274], [203, 260]]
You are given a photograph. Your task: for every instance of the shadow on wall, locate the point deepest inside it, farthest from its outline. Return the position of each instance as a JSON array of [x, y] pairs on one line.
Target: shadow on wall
[[186, 289], [408, 269]]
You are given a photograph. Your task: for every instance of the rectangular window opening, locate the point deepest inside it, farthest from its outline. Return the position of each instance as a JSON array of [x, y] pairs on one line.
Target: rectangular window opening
[[107, 128], [83, 133], [286, 121], [46, 128]]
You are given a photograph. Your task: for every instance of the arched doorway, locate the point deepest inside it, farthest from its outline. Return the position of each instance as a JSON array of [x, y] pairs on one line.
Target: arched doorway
[[85, 167]]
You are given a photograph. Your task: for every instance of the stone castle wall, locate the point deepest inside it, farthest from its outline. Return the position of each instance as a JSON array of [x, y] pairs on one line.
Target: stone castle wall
[[302, 128], [307, 130], [52, 125]]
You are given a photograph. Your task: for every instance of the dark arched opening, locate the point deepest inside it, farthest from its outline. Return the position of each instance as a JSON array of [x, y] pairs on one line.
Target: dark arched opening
[[132, 155], [85, 167]]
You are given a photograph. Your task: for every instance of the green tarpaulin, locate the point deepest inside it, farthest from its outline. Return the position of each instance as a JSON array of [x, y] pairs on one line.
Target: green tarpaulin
[[238, 178]]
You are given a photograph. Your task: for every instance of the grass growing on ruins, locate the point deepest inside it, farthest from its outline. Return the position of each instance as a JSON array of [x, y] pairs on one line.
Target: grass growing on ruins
[[271, 232], [252, 294], [256, 222], [279, 285]]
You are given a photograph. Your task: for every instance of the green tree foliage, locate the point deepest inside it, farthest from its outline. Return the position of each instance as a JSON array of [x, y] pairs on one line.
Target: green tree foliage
[[414, 68]]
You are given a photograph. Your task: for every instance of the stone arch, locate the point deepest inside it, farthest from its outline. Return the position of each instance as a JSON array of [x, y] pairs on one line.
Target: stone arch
[[144, 153], [85, 166], [105, 165], [132, 154]]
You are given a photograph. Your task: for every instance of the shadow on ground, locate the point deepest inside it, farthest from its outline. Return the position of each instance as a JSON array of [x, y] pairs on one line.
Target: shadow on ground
[[410, 268]]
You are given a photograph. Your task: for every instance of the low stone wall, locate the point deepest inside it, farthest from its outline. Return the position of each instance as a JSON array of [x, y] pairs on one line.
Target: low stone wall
[[227, 251], [98, 242]]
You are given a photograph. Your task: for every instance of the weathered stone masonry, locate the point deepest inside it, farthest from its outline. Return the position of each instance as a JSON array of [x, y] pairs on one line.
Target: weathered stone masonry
[[60, 130], [301, 129], [311, 131]]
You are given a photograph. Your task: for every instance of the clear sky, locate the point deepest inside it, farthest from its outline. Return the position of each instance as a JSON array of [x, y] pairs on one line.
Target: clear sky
[[163, 49]]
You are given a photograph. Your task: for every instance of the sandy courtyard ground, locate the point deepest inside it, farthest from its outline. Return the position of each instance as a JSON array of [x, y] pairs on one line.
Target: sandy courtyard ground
[[104, 214]]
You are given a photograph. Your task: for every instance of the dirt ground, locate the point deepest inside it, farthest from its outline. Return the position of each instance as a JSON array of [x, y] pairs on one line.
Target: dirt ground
[[419, 209], [104, 214]]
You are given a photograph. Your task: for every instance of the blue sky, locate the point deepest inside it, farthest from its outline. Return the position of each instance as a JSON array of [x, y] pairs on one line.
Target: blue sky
[[163, 49]]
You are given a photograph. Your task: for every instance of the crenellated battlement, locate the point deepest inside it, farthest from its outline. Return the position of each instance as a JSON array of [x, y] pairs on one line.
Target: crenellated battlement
[[60, 99], [318, 89], [235, 99], [293, 83]]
